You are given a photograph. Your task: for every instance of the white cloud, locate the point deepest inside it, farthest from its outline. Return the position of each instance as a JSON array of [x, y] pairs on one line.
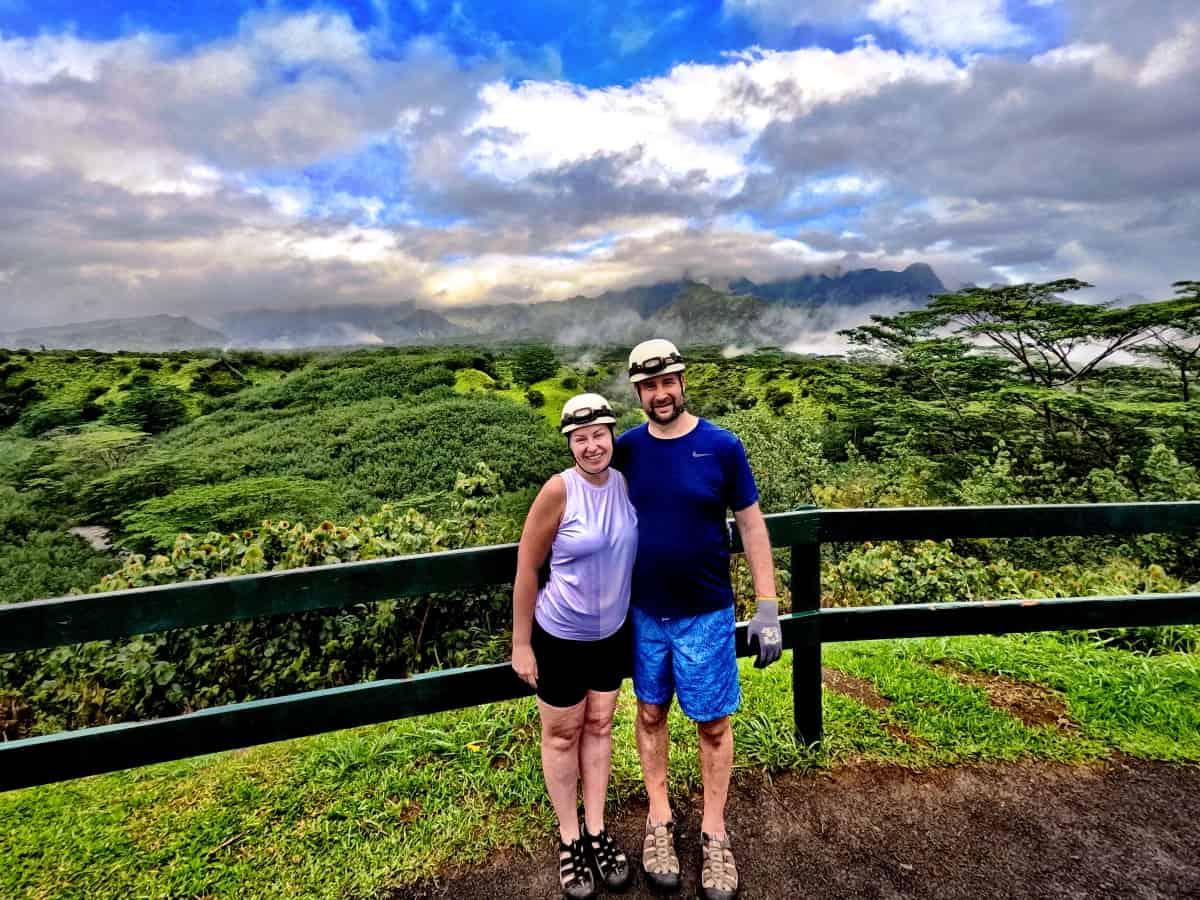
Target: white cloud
[[844, 184], [697, 117], [1174, 56], [942, 24], [129, 183], [311, 38], [632, 36], [36, 60], [355, 244], [951, 24]]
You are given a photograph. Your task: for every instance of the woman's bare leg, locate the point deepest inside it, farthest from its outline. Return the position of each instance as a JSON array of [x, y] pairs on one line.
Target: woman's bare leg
[[561, 730], [595, 755]]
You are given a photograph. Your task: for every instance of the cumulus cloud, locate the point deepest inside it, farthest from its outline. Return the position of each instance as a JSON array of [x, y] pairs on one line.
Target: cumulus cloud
[[945, 24], [292, 163], [695, 118], [1086, 157]]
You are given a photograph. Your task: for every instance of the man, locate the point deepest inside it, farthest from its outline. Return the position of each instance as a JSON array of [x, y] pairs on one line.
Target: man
[[683, 474]]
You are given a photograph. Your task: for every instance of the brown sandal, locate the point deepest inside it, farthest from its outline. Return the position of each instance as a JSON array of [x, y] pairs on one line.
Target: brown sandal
[[659, 861], [718, 872]]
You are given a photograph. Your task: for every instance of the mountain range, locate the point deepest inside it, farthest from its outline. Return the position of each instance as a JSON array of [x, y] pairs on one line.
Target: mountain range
[[690, 311]]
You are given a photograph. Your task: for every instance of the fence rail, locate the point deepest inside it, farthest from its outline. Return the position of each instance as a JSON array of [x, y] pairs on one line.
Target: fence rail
[[48, 623]]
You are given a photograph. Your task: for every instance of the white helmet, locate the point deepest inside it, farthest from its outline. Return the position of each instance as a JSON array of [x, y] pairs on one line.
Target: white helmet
[[586, 409], [653, 357]]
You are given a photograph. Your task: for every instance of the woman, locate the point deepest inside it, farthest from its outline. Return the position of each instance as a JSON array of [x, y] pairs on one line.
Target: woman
[[569, 639]]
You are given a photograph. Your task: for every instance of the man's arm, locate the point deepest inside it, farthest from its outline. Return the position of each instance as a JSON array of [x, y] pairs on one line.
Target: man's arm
[[764, 627]]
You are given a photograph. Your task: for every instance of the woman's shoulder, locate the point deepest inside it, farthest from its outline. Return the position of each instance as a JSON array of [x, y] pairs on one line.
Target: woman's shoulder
[[553, 492]]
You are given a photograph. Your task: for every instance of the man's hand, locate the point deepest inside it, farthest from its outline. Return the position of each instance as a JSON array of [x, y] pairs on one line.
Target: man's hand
[[764, 631], [525, 665]]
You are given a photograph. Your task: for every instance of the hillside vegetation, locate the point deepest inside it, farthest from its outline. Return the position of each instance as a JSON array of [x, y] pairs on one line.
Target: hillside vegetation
[[206, 464]]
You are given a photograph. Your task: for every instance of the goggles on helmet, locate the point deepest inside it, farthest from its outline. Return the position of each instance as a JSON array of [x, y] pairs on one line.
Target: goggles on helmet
[[586, 414], [654, 364]]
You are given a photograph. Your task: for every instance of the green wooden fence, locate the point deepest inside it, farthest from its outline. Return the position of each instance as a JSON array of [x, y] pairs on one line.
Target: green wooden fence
[[68, 620]]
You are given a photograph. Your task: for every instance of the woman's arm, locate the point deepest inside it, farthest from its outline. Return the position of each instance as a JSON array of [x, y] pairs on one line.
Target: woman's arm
[[536, 539]]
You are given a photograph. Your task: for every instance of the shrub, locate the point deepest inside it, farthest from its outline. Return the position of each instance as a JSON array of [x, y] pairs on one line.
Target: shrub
[[776, 398], [785, 456], [232, 506], [16, 396], [51, 415], [536, 399], [18, 515], [169, 672], [44, 564], [931, 572], [383, 447], [151, 409], [217, 380], [533, 364]]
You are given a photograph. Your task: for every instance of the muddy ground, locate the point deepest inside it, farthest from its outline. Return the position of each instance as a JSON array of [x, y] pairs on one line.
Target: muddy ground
[[1121, 829]]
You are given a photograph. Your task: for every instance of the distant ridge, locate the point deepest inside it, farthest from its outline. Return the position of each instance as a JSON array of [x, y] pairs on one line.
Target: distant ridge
[[328, 326], [748, 312], [141, 333], [856, 287]]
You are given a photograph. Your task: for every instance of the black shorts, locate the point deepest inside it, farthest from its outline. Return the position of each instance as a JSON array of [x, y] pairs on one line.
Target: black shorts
[[567, 670]]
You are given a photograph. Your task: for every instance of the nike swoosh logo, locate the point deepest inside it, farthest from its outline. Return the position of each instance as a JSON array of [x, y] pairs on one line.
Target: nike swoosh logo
[[696, 455]]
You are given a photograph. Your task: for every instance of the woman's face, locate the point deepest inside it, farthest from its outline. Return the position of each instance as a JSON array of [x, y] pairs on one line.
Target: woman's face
[[592, 447]]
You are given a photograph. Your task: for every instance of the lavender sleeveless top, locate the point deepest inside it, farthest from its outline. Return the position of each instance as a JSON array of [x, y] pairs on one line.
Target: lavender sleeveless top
[[591, 561]]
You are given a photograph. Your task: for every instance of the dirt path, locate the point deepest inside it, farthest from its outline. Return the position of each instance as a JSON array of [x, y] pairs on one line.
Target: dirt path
[[1125, 829]]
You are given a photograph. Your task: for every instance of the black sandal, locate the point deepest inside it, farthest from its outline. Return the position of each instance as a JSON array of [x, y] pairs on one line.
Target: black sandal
[[611, 864], [574, 873]]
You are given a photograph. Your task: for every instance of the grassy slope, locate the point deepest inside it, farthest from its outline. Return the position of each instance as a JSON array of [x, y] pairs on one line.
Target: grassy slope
[[67, 382], [349, 813], [468, 381]]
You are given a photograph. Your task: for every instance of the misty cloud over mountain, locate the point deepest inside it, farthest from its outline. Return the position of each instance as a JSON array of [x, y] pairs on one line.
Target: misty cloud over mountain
[[801, 313]]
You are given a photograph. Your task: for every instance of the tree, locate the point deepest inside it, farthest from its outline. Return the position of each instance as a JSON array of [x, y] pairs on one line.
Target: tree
[[1175, 339], [534, 364], [1053, 341], [152, 409], [946, 363]]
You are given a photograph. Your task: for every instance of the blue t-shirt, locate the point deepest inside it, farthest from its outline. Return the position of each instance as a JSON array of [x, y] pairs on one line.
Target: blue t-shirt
[[681, 488]]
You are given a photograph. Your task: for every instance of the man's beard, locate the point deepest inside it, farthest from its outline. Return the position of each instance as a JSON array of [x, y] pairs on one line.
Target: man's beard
[[669, 417]]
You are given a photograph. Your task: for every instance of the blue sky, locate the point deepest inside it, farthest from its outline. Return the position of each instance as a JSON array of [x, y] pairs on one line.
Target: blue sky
[[457, 152], [599, 43]]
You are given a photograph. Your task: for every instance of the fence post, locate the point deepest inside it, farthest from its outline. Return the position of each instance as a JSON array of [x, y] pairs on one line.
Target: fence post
[[806, 651]]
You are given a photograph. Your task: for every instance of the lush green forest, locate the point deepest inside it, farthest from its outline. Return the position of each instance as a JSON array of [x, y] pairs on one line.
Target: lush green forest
[[196, 464]]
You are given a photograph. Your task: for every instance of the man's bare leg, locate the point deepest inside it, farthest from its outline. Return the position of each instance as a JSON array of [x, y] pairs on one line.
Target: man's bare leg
[[653, 742], [716, 764]]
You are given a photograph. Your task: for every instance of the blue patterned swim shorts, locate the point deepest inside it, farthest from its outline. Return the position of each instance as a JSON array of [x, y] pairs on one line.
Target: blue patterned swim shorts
[[692, 657]]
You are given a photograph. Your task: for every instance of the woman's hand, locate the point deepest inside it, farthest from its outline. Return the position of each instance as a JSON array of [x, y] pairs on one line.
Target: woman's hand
[[525, 665]]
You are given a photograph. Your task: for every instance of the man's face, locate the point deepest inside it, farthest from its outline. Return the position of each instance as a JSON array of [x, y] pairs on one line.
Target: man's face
[[662, 397]]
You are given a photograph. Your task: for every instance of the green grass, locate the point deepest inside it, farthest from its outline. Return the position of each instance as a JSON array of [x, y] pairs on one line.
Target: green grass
[[66, 381], [472, 381], [351, 813]]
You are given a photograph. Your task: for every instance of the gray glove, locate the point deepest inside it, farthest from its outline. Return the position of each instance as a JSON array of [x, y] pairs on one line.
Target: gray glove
[[764, 632]]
